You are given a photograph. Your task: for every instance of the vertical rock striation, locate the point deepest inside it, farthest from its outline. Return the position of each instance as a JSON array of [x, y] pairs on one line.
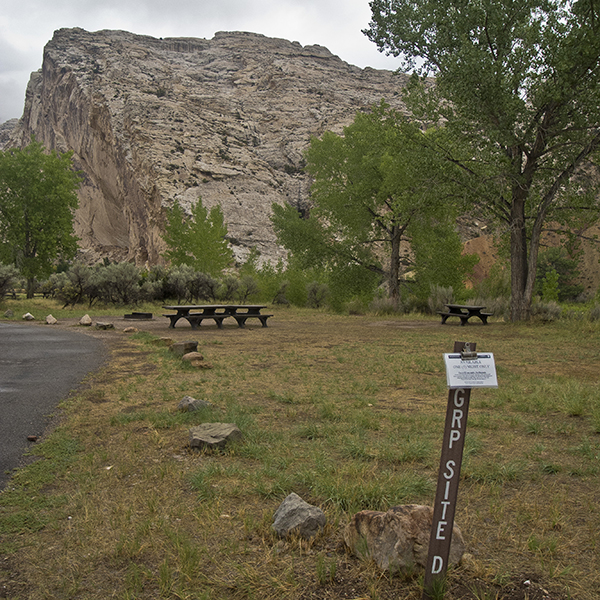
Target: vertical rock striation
[[154, 121]]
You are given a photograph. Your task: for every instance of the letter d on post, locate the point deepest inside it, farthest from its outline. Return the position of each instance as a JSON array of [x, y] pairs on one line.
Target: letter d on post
[[438, 565], [447, 487]]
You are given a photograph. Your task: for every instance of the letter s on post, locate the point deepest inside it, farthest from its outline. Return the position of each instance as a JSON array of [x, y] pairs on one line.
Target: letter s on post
[[450, 466]]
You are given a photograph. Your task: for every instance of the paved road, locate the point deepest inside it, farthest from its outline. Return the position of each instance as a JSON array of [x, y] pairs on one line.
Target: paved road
[[39, 366]]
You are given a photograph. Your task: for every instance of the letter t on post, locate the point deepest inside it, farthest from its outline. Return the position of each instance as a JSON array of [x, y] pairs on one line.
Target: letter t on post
[[447, 486]]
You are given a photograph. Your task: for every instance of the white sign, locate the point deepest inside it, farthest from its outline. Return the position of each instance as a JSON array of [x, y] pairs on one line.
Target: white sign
[[477, 372]]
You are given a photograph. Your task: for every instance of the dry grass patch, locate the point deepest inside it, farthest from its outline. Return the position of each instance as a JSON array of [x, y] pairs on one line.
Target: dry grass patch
[[345, 411]]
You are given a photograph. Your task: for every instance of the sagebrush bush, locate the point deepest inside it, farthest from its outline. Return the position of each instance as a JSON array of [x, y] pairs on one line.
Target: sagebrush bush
[[499, 306], [317, 294], [545, 311], [439, 297], [386, 306], [8, 278], [595, 312], [356, 306]]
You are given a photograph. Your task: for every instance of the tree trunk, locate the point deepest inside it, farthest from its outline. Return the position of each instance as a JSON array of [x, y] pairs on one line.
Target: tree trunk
[[30, 287], [394, 276], [520, 305]]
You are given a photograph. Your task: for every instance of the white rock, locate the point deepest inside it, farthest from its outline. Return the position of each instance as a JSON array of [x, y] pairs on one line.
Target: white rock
[[85, 320]]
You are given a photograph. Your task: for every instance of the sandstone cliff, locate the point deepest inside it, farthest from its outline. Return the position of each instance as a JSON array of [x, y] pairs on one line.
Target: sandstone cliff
[[152, 121]]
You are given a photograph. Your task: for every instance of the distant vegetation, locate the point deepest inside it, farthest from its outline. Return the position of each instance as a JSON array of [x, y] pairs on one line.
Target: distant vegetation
[[124, 284]]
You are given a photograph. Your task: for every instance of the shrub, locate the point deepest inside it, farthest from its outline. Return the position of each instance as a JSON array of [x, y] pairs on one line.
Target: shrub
[[155, 285], [557, 267], [316, 294], [356, 306], [8, 278], [247, 289], [496, 284], [280, 296], [202, 286], [385, 306], [499, 307], [545, 311], [229, 288], [595, 312], [439, 297], [117, 283], [71, 287], [178, 282], [550, 286]]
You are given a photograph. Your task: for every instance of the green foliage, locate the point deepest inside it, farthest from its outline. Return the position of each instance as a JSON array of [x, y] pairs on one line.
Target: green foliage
[[247, 289], [71, 286], [557, 269], [496, 284], [199, 241], [439, 260], [269, 279], [439, 296], [37, 200], [370, 185], [185, 283], [316, 294], [518, 93], [550, 286], [8, 278], [118, 283]]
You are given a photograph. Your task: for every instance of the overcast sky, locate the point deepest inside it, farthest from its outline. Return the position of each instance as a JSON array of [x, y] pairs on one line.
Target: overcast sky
[[27, 25]]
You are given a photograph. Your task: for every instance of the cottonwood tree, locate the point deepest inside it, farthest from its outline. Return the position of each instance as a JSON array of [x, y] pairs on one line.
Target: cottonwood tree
[[37, 201], [199, 240], [517, 86], [372, 186]]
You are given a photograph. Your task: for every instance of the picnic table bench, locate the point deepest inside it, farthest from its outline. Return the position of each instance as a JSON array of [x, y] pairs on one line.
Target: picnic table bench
[[464, 312], [194, 314]]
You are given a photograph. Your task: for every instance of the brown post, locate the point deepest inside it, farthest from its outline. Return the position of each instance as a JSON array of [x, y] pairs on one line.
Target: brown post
[[447, 486]]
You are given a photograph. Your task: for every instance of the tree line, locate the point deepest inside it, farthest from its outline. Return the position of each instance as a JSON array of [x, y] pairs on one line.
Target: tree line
[[507, 132]]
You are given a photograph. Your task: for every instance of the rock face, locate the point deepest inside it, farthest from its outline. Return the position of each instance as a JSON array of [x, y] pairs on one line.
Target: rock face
[[6, 130], [154, 121]]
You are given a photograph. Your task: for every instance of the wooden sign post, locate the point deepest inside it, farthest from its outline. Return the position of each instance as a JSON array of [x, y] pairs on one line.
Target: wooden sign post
[[464, 368]]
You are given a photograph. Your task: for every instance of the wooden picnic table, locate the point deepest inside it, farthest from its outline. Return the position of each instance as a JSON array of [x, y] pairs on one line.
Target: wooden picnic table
[[194, 314], [464, 312]]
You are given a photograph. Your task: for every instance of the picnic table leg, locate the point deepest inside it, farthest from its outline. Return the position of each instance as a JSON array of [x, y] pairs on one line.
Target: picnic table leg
[[241, 319]]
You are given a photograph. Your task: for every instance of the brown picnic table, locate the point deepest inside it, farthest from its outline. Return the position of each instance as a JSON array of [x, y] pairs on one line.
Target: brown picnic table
[[194, 314], [464, 312]]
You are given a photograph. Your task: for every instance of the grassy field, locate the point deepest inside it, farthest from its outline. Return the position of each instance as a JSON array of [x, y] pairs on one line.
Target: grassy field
[[346, 411]]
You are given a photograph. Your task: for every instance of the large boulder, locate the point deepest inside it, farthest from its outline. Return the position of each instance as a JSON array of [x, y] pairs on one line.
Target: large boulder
[[397, 539], [295, 516], [214, 435]]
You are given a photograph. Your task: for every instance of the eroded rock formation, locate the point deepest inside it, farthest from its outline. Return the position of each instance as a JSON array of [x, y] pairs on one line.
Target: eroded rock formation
[[152, 121]]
